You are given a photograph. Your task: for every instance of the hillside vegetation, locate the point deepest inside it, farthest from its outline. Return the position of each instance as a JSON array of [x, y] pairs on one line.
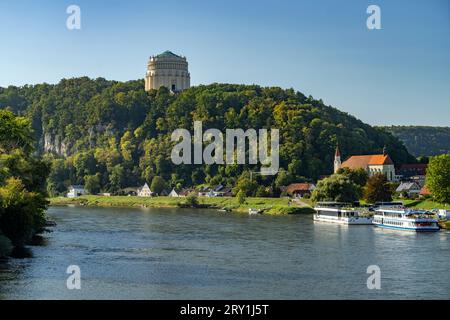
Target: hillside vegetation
[[423, 141], [110, 135]]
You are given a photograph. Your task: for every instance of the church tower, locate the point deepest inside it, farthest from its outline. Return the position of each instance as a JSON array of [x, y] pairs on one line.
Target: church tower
[[167, 70], [337, 159]]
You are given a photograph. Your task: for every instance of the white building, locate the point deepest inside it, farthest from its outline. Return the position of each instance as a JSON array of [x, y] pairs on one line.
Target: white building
[[144, 191], [167, 70], [76, 191], [174, 193]]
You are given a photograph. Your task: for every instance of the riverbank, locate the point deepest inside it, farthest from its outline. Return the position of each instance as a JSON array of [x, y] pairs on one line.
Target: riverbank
[[274, 206]]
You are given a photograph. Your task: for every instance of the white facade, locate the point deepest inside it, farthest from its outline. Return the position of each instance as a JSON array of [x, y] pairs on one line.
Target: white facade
[[167, 70], [387, 169], [174, 193], [76, 191], [144, 191]]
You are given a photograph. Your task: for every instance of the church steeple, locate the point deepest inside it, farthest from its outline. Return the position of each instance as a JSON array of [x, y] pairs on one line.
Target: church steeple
[[337, 159]]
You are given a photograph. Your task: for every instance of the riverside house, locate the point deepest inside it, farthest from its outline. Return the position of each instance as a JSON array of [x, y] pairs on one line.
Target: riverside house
[[144, 191], [408, 188], [174, 193], [76, 191], [299, 190]]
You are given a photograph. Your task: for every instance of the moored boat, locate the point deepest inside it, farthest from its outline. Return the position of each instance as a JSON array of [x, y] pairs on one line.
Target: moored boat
[[254, 211], [342, 213], [405, 219]]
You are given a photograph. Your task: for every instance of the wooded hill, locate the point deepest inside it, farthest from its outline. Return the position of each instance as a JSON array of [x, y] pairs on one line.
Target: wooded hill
[[423, 140], [111, 135]]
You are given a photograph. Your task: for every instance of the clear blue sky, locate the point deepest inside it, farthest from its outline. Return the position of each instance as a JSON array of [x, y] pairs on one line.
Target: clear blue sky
[[397, 75]]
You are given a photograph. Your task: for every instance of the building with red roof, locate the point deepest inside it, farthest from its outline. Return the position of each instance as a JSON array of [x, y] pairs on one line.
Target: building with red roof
[[373, 164], [300, 189]]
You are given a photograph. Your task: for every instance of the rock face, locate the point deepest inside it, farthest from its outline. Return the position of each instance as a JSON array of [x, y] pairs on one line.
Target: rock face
[[54, 144]]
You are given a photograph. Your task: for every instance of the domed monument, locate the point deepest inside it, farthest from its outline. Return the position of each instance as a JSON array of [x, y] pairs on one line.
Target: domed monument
[[167, 70]]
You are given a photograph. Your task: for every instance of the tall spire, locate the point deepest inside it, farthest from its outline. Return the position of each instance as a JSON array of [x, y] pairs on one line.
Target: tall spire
[[337, 153], [337, 159], [384, 150]]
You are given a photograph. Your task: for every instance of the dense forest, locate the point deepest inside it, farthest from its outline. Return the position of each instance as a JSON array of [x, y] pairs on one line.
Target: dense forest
[[423, 140], [110, 135]]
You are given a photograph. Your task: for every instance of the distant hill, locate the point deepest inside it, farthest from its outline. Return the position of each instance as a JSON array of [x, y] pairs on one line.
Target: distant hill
[[423, 140], [112, 135]]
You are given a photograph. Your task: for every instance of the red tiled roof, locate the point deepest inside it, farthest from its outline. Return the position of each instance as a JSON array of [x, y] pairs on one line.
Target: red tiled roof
[[299, 187], [357, 162], [424, 191]]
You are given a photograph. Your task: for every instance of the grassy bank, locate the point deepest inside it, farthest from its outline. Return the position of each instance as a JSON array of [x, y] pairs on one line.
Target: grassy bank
[[270, 205], [424, 204]]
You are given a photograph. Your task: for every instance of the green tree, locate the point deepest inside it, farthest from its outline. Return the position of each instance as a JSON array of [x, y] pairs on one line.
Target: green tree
[[22, 181], [338, 188], [247, 186], [92, 183], [240, 197], [158, 185], [116, 178], [358, 176], [21, 212], [438, 178], [283, 178], [378, 189]]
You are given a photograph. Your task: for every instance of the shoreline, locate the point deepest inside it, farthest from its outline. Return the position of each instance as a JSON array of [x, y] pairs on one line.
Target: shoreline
[[271, 206]]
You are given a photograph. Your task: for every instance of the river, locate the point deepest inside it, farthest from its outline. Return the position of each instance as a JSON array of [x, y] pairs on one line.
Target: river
[[205, 254]]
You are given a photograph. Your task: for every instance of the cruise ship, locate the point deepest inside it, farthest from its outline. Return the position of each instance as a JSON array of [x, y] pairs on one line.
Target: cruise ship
[[342, 213], [405, 219]]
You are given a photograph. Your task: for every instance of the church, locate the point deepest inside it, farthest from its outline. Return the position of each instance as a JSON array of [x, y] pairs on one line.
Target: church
[[373, 164], [167, 70]]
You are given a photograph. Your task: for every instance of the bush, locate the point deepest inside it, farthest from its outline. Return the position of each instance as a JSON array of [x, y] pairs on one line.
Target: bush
[[192, 201]]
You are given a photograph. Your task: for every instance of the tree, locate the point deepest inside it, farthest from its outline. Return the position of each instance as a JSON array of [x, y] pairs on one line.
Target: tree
[[438, 178], [338, 188], [158, 185], [22, 182], [283, 179], [92, 183], [21, 211], [240, 197], [378, 189], [247, 186], [15, 133], [358, 176], [116, 178]]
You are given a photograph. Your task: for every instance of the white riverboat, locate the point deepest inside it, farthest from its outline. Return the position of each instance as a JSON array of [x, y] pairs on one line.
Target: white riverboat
[[405, 219], [342, 213]]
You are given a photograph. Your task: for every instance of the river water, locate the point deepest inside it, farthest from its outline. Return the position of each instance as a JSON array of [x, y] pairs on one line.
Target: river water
[[205, 254]]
